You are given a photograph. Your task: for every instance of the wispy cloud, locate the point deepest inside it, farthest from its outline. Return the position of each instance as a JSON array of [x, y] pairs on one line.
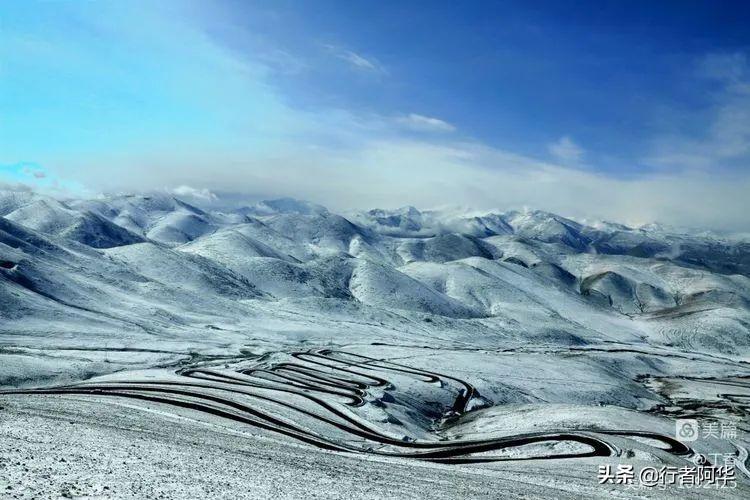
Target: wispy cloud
[[355, 60], [24, 176], [731, 67], [725, 140], [566, 151], [36, 173], [282, 61], [425, 123]]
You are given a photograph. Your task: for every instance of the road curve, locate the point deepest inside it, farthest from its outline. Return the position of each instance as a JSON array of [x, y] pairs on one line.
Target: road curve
[[333, 384]]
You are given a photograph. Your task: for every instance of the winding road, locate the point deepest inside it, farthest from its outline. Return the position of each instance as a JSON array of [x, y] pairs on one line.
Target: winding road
[[314, 397]]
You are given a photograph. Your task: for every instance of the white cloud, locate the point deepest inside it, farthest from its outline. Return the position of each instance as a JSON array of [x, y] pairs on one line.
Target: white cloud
[[425, 123], [566, 151], [356, 60], [191, 192]]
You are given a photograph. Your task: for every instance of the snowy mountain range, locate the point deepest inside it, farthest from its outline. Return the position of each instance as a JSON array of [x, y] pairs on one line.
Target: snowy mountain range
[[127, 268]]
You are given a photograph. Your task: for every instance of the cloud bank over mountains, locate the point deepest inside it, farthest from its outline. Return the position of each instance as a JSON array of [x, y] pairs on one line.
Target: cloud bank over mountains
[[413, 172]]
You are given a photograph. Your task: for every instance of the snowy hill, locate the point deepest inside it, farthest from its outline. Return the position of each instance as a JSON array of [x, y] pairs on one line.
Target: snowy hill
[[161, 218], [55, 218]]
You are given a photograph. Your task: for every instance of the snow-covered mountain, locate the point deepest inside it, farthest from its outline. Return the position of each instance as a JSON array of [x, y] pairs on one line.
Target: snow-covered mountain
[[153, 264]]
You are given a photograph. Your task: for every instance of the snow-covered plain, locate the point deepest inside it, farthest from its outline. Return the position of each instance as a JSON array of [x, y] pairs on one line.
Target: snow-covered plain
[[151, 347]]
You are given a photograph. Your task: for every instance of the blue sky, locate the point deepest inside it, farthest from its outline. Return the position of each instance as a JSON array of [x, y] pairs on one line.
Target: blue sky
[[628, 110]]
